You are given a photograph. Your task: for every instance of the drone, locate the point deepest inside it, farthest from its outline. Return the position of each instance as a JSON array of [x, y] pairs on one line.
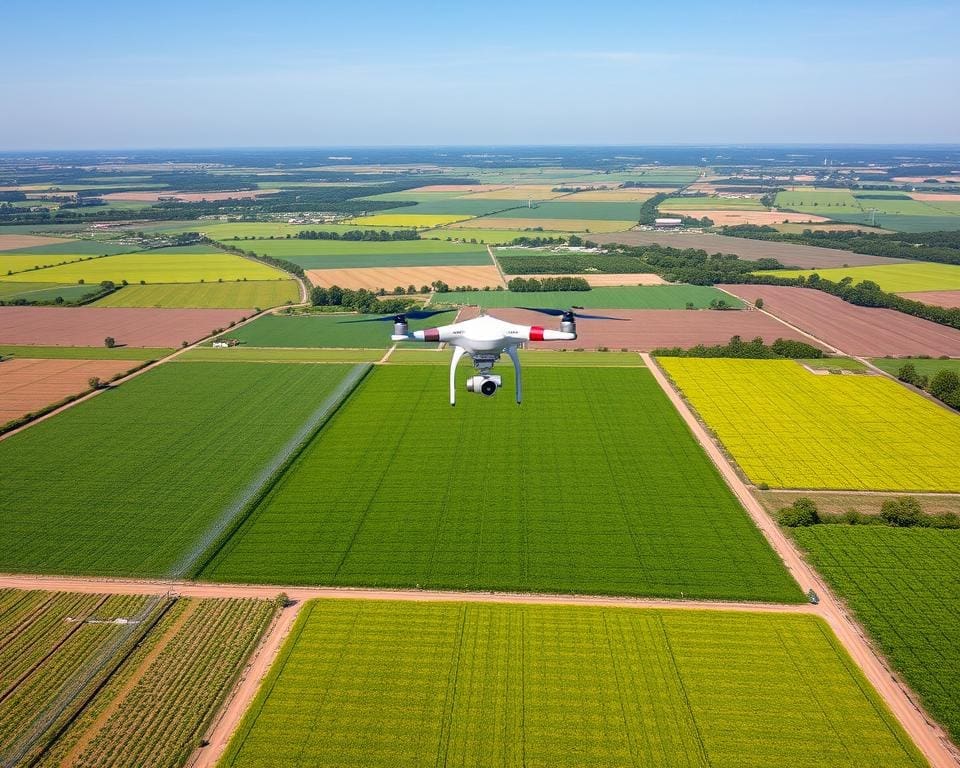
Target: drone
[[484, 339]]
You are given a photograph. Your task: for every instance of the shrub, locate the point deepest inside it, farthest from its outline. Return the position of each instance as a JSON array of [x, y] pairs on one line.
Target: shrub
[[94, 382], [758, 303], [109, 342], [902, 512], [802, 512]]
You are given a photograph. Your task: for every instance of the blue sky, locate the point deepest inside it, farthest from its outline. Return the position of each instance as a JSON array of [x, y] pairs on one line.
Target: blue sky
[[118, 74]]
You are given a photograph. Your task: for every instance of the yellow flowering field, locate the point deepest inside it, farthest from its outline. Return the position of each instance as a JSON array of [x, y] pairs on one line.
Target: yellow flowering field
[[791, 428]]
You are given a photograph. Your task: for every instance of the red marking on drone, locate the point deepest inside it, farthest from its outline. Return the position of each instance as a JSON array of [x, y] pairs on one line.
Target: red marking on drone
[[431, 334], [536, 333]]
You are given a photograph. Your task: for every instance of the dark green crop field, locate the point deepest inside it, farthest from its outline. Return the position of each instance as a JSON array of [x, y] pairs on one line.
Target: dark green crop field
[[345, 254], [621, 297], [413, 684], [904, 586], [322, 330], [128, 482], [564, 210], [81, 247], [593, 485], [459, 205]]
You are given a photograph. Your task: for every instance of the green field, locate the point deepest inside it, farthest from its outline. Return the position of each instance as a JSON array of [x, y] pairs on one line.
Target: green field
[[711, 203], [44, 291], [554, 210], [85, 353], [322, 330], [22, 262], [534, 357], [128, 482], [344, 254], [925, 366], [243, 294], [904, 586], [600, 488], [824, 202], [244, 354], [77, 247], [894, 278], [458, 205], [492, 236], [790, 428], [623, 297], [900, 215], [166, 265], [397, 684]]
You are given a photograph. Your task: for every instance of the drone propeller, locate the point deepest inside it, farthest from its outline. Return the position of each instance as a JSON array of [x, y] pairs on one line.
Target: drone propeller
[[569, 314], [402, 317]]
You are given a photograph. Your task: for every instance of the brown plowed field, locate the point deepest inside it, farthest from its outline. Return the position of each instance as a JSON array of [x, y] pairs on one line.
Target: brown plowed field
[[940, 298], [9, 242], [603, 280], [388, 278], [733, 217], [28, 385], [652, 328], [936, 197], [854, 330], [788, 254], [89, 326]]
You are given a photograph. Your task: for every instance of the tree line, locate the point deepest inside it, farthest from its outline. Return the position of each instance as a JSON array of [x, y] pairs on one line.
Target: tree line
[[534, 285], [756, 349], [943, 385]]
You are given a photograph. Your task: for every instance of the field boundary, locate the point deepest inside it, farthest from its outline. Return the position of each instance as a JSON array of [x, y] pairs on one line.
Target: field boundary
[[233, 518]]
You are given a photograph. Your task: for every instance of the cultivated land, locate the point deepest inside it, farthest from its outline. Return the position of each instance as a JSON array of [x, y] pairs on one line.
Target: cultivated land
[[16, 242], [130, 482], [865, 331], [20, 263], [244, 294], [338, 254], [72, 249], [85, 353], [388, 278], [492, 236], [160, 266], [652, 328], [29, 385], [384, 684], [790, 428], [733, 217], [788, 254], [940, 298], [644, 513], [244, 354], [10, 292], [612, 280], [895, 278], [927, 366], [540, 356], [626, 297], [574, 210], [89, 326], [713, 203], [903, 584], [418, 221], [570, 224], [187, 651], [322, 330]]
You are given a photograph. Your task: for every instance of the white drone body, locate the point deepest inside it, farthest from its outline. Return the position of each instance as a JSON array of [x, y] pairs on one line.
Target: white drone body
[[484, 339]]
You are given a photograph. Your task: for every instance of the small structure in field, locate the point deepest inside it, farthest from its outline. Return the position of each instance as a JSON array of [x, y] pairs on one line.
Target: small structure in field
[[667, 223], [224, 343]]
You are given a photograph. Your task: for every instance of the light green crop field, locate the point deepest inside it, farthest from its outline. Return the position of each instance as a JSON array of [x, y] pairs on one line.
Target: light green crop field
[[44, 291], [21, 262], [341, 254], [129, 482], [823, 201], [321, 330], [622, 297], [531, 357], [85, 353], [244, 354], [712, 203], [394, 683], [75, 247], [161, 266], [458, 206], [925, 366], [895, 278], [600, 489], [904, 586], [492, 236], [554, 210], [791, 428], [243, 294]]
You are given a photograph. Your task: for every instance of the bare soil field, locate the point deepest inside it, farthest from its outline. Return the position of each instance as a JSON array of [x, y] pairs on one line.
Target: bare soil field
[[936, 197], [89, 326], [856, 330], [187, 197], [28, 385], [733, 217], [652, 328], [388, 278], [788, 254], [9, 242], [608, 280], [940, 298]]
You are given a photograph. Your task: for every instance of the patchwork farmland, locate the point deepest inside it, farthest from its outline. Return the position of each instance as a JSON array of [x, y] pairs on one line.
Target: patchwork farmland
[[291, 550]]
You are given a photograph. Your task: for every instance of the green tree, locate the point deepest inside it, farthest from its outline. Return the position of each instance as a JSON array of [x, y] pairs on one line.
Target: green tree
[[902, 512]]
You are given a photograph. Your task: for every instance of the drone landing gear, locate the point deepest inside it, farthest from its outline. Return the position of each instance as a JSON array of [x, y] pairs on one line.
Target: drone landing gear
[[512, 352], [458, 352], [483, 363]]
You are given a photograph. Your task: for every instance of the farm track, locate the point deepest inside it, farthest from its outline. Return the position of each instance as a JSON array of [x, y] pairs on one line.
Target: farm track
[[929, 737]]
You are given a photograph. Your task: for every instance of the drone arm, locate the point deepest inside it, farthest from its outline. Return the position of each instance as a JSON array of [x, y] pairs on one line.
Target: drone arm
[[457, 354], [537, 333], [512, 351]]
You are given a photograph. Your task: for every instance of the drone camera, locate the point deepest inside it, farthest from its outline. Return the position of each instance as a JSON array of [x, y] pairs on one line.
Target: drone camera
[[486, 385]]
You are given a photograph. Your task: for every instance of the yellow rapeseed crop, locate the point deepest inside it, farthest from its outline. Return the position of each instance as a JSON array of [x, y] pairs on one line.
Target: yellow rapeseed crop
[[418, 220], [791, 428]]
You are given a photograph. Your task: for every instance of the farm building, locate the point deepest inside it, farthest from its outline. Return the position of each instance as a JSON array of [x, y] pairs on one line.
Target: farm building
[[667, 223]]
